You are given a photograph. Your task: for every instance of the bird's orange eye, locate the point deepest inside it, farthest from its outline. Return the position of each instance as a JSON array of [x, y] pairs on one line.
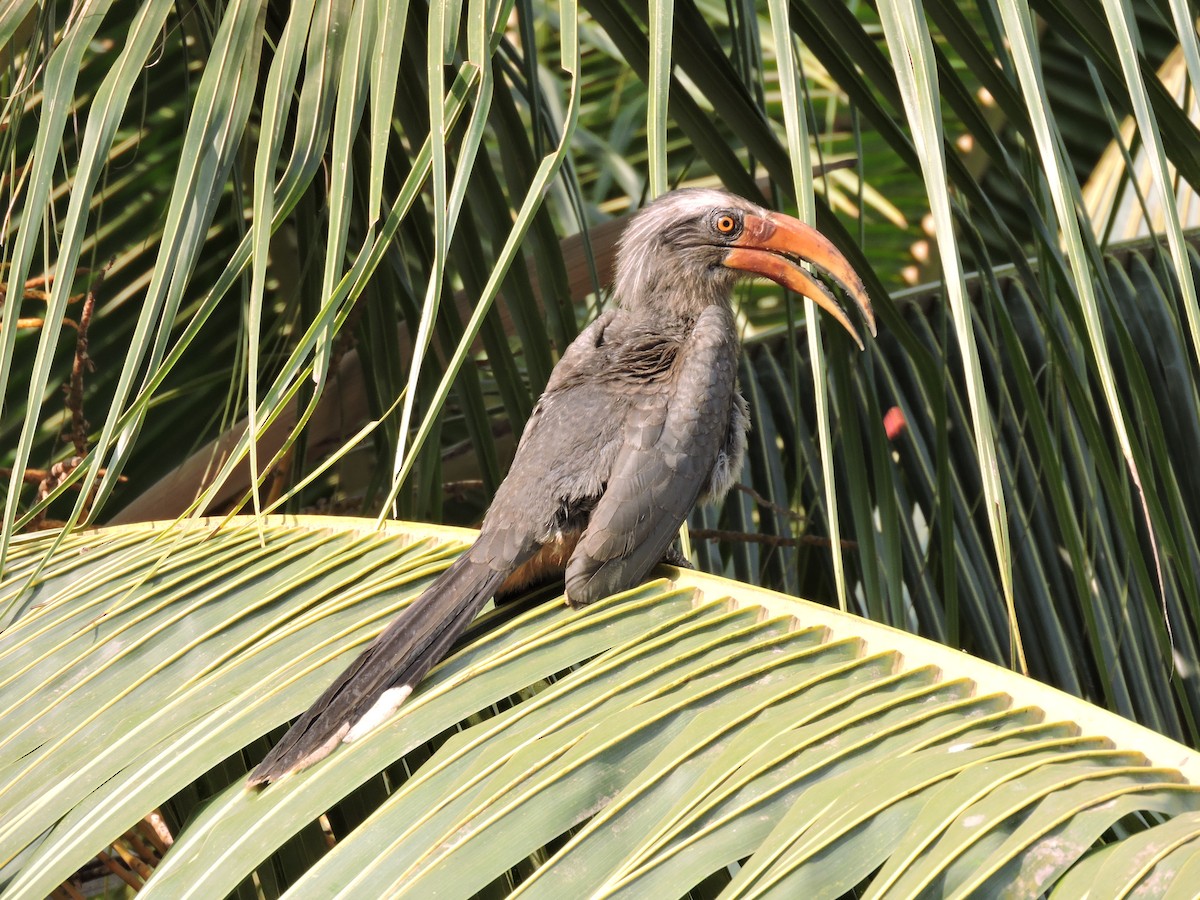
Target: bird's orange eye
[[725, 224]]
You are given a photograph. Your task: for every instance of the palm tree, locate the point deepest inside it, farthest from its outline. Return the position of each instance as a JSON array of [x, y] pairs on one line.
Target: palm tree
[[320, 256]]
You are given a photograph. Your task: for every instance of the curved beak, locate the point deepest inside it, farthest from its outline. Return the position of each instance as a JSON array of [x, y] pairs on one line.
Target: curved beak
[[773, 245]]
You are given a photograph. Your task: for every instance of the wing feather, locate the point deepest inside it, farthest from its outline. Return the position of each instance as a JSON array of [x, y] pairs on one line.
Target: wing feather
[[672, 439]]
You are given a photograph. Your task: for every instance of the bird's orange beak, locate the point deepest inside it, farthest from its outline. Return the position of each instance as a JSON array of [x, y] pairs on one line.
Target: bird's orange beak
[[772, 245]]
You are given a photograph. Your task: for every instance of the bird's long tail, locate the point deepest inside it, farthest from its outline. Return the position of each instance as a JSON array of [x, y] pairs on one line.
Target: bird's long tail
[[384, 674]]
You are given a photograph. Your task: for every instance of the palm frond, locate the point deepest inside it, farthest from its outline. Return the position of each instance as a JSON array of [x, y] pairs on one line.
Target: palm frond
[[693, 726]]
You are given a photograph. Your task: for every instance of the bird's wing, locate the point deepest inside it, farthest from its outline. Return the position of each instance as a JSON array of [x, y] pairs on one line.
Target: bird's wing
[[384, 674], [671, 439], [560, 459]]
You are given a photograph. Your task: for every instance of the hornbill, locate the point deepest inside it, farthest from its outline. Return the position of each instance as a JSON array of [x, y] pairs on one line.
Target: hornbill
[[641, 418]]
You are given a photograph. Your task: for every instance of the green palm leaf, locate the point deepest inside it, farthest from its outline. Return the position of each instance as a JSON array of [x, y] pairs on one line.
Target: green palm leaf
[[639, 745]]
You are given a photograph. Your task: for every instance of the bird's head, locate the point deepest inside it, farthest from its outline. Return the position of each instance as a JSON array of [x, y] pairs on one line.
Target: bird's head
[[684, 252]]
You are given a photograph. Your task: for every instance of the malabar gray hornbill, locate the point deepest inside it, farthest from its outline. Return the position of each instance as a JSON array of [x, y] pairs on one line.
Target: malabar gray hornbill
[[641, 419]]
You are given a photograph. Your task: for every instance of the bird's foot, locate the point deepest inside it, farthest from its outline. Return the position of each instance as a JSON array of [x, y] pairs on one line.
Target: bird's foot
[[674, 557]]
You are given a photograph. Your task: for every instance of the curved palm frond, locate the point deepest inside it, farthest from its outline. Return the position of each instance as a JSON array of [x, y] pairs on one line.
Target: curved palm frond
[[1086, 587], [640, 745]]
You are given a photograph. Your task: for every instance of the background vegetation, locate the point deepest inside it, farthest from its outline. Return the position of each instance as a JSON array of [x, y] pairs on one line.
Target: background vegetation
[[321, 255]]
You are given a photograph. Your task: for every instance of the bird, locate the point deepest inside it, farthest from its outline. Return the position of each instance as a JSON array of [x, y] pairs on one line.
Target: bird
[[641, 419]]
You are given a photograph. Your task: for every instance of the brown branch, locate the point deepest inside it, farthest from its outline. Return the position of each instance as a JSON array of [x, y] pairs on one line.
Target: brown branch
[[138, 856], [119, 870], [769, 504], [54, 474], [35, 322], [74, 391], [59, 472], [154, 828], [29, 476], [57, 475], [32, 290], [770, 540]]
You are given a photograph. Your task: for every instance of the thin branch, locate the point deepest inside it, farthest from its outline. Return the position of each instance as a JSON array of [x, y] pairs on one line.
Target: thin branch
[[74, 391], [770, 540], [770, 504]]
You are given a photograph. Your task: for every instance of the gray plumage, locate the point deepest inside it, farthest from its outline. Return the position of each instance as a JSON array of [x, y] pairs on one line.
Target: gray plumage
[[641, 419]]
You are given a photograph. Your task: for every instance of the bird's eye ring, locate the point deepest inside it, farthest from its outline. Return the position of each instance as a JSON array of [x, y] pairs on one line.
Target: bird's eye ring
[[726, 224]]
